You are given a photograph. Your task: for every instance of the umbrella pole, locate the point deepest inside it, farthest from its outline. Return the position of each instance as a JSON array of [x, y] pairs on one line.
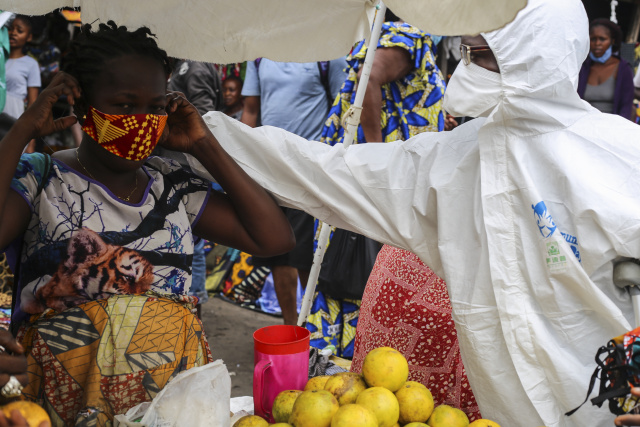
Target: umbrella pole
[[350, 124]]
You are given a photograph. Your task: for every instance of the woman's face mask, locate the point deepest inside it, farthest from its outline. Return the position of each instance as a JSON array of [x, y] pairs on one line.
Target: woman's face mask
[[130, 136], [472, 91]]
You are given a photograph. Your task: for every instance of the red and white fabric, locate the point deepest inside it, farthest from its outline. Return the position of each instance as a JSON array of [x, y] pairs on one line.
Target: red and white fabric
[[406, 306]]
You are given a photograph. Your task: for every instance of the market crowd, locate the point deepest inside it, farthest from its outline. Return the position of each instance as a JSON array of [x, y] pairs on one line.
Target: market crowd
[[467, 252]]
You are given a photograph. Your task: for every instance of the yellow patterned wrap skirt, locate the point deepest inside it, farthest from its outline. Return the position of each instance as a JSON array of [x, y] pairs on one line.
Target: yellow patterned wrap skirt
[[101, 358]]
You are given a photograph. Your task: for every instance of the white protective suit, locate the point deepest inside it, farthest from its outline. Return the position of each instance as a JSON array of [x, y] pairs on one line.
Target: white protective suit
[[523, 215]]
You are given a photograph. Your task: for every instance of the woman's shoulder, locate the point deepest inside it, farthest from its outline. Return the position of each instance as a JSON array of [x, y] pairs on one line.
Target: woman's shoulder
[[32, 174], [35, 158], [36, 163]]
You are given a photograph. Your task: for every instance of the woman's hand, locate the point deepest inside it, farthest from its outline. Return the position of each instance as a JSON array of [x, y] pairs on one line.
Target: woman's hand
[[12, 360], [38, 118], [450, 122], [13, 364], [185, 126], [629, 420]]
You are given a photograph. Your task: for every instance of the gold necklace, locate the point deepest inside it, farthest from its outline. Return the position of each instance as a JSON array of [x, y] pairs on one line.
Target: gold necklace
[[126, 199]]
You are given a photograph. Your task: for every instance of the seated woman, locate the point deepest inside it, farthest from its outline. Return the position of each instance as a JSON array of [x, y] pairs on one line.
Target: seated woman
[[103, 309], [606, 80]]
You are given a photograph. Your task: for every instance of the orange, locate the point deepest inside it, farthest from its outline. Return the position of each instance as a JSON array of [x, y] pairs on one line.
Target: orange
[[385, 367], [32, 412]]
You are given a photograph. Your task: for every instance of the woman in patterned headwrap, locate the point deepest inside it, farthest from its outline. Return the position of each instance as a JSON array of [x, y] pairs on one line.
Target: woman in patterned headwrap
[[405, 91], [405, 305]]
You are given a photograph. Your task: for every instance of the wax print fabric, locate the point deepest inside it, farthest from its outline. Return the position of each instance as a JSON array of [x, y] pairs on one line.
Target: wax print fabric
[[523, 214], [129, 136], [83, 243], [122, 352], [240, 271], [332, 322], [406, 306], [411, 105]]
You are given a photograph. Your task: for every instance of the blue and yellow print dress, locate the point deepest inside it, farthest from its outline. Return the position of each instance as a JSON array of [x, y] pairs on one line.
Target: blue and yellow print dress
[[411, 105]]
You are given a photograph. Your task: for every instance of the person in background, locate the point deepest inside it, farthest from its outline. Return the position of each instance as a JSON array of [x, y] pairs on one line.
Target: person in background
[[232, 96], [6, 121], [22, 71], [200, 82], [405, 90], [295, 97], [606, 80]]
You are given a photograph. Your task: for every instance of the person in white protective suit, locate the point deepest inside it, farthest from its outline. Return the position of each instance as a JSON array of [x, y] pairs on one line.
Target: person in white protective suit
[[523, 213]]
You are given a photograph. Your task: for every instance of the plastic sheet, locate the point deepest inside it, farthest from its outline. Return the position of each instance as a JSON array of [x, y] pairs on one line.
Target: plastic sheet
[[197, 397]]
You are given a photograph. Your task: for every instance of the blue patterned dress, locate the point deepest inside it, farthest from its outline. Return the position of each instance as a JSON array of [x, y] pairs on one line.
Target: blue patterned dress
[[411, 105]]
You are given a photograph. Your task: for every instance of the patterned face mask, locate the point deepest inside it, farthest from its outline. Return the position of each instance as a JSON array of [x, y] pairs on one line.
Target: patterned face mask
[[130, 136]]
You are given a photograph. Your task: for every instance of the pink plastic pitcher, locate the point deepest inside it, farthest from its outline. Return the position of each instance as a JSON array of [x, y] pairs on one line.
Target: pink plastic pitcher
[[281, 357]]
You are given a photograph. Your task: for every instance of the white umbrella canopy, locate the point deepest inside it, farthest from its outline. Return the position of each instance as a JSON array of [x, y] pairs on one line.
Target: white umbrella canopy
[[457, 17], [226, 31]]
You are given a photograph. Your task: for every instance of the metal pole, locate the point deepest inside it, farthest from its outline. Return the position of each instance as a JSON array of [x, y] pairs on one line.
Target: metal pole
[[635, 299], [626, 275], [350, 125]]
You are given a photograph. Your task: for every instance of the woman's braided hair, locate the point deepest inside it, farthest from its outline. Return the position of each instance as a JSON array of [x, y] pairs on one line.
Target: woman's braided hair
[[91, 50]]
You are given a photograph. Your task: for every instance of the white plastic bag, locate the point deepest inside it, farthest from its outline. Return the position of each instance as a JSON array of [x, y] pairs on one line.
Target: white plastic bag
[[197, 397], [241, 407]]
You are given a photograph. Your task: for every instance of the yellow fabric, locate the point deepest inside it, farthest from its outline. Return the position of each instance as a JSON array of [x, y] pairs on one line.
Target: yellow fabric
[[101, 358]]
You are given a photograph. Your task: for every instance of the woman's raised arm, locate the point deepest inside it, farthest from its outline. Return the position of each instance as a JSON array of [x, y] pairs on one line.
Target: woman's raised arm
[[35, 122], [246, 217]]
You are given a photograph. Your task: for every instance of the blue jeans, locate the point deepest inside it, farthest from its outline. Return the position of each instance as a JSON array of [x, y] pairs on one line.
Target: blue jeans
[[199, 273]]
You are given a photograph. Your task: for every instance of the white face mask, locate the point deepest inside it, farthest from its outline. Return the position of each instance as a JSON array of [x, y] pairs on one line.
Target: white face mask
[[473, 91]]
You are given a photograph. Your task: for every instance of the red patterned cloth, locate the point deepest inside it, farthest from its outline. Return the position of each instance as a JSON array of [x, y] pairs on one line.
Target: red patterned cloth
[[406, 307]]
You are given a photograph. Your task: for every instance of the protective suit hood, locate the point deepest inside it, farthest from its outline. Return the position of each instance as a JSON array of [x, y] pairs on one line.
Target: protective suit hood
[[540, 54]]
